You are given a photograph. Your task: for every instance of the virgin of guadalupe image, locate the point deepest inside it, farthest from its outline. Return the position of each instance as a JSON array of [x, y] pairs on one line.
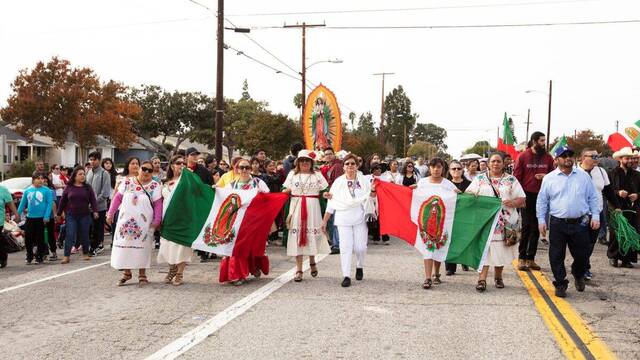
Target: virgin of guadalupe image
[[320, 118]]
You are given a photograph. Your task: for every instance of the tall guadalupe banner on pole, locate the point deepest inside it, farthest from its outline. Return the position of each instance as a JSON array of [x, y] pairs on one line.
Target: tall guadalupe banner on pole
[[321, 122]]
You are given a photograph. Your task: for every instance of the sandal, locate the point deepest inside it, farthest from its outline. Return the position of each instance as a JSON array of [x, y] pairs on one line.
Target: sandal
[[482, 285], [142, 280], [314, 269], [298, 276], [177, 280], [125, 277], [499, 283], [173, 269], [427, 284], [436, 279]]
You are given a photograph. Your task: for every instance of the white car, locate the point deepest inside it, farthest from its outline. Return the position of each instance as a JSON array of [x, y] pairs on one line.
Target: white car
[[17, 186]]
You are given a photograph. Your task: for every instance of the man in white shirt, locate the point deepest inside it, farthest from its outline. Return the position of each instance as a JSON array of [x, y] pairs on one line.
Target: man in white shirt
[[56, 181]]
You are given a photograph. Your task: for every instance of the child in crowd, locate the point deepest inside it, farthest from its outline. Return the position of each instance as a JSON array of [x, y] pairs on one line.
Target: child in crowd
[[38, 201]]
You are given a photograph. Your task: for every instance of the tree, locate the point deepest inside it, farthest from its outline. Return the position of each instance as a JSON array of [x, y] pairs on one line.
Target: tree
[[399, 120], [276, 142], [432, 134], [56, 100], [178, 114], [365, 125], [363, 145], [423, 149], [352, 118], [298, 101], [586, 139], [481, 148]]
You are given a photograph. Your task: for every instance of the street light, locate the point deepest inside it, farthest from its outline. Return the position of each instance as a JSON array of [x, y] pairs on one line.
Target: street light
[[304, 77], [334, 61], [549, 112]]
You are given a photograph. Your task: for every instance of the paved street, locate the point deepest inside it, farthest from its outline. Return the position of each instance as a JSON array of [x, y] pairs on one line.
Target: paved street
[[84, 315]]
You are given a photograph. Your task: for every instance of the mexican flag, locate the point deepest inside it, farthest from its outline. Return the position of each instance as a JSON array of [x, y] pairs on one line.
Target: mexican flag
[[506, 143], [223, 221], [453, 228]]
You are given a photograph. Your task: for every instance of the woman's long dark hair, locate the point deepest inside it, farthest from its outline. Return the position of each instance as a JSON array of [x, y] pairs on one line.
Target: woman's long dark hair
[[404, 168], [125, 172], [72, 178], [113, 172], [170, 173]]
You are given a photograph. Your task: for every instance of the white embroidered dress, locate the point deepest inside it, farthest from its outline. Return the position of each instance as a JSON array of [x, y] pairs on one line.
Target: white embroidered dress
[[508, 188], [133, 242], [309, 185]]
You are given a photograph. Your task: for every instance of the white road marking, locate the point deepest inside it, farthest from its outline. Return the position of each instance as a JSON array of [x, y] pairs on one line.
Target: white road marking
[[206, 329], [377, 309], [52, 277]]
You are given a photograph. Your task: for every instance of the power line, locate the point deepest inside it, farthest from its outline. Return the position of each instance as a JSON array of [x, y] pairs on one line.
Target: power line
[[352, 11], [278, 71]]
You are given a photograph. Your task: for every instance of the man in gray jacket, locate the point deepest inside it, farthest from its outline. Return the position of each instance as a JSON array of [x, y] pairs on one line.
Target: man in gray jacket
[[100, 182]]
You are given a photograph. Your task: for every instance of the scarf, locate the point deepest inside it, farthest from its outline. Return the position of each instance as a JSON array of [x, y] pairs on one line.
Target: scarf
[[341, 194]]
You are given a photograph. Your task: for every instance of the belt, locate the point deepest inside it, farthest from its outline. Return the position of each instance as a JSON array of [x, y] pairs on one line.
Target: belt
[[572, 221], [302, 239]]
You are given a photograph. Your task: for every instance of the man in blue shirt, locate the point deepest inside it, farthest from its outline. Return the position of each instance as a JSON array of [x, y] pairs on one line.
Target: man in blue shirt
[[38, 202], [568, 196]]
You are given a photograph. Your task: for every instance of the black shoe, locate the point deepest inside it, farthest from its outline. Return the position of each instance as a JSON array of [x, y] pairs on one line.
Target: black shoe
[[335, 251], [561, 291], [580, 284], [627, 265], [28, 261], [359, 273], [346, 282], [92, 253], [465, 268], [449, 273], [385, 242], [613, 262], [39, 260], [3, 261]]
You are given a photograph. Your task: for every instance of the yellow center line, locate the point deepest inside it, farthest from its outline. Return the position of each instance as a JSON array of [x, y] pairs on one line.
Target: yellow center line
[[576, 339]]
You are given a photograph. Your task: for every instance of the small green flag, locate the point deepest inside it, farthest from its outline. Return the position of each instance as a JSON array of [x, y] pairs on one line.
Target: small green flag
[[507, 134], [561, 142]]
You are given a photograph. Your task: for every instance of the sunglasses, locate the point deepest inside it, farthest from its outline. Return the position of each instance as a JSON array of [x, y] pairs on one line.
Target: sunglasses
[[594, 157], [179, 163], [409, 166], [146, 169], [244, 167], [350, 163], [456, 169]]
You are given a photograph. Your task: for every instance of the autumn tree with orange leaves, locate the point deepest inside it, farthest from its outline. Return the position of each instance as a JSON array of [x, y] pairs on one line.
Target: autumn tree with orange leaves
[[56, 100]]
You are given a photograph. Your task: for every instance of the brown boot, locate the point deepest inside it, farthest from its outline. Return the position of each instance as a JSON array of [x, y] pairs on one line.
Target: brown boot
[[65, 260], [522, 265], [532, 265]]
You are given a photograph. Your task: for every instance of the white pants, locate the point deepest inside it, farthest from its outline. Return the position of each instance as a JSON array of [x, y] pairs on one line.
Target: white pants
[[352, 238]]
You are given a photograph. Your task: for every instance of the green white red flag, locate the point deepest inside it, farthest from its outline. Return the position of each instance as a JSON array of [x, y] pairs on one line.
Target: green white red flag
[[506, 143], [454, 228]]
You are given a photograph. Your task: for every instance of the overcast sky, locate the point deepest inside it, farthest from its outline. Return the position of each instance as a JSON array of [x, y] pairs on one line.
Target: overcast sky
[[462, 79]]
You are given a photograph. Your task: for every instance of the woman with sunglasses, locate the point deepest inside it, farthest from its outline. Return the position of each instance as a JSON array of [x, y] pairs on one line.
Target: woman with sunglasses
[[497, 183], [433, 258], [176, 255], [409, 177], [456, 176], [235, 269], [304, 220], [348, 199], [139, 200]]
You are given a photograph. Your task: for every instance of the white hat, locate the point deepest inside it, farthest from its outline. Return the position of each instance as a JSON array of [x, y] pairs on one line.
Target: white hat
[[307, 155], [625, 151]]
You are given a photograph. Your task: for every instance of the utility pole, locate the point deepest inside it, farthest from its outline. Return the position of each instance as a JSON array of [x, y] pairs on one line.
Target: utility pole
[[528, 123], [380, 134], [303, 73], [617, 124], [219, 81], [549, 115], [404, 139]]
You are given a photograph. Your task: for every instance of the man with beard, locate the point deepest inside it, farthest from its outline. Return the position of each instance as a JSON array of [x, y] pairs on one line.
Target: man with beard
[[625, 182], [570, 199], [531, 166]]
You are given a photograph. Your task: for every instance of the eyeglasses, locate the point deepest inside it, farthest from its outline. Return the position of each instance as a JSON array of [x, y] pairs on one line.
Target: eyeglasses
[[350, 163], [179, 163], [594, 157], [146, 169], [456, 169], [244, 167]]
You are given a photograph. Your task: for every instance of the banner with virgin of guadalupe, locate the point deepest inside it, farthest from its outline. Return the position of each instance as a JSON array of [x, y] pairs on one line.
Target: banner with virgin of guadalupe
[[321, 121]]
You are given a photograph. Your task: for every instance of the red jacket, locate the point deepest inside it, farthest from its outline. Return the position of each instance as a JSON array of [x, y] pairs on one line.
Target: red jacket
[[527, 165], [332, 171]]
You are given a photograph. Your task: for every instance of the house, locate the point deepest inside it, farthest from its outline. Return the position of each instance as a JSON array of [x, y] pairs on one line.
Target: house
[[16, 148], [184, 145], [142, 148]]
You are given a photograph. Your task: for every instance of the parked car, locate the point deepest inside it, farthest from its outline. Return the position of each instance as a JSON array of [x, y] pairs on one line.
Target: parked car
[[16, 187]]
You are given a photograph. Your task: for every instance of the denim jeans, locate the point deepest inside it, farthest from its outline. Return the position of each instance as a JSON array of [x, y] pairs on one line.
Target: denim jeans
[[77, 226]]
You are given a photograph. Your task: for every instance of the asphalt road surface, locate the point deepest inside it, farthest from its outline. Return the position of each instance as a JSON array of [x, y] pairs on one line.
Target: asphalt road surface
[[50, 312]]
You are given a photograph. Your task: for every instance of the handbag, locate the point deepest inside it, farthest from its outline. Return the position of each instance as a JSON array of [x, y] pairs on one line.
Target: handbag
[[511, 233]]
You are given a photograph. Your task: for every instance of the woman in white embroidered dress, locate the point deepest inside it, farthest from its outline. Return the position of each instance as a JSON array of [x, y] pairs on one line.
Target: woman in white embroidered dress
[[170, 252], [139, 201], [305, 216], [496, 182]]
